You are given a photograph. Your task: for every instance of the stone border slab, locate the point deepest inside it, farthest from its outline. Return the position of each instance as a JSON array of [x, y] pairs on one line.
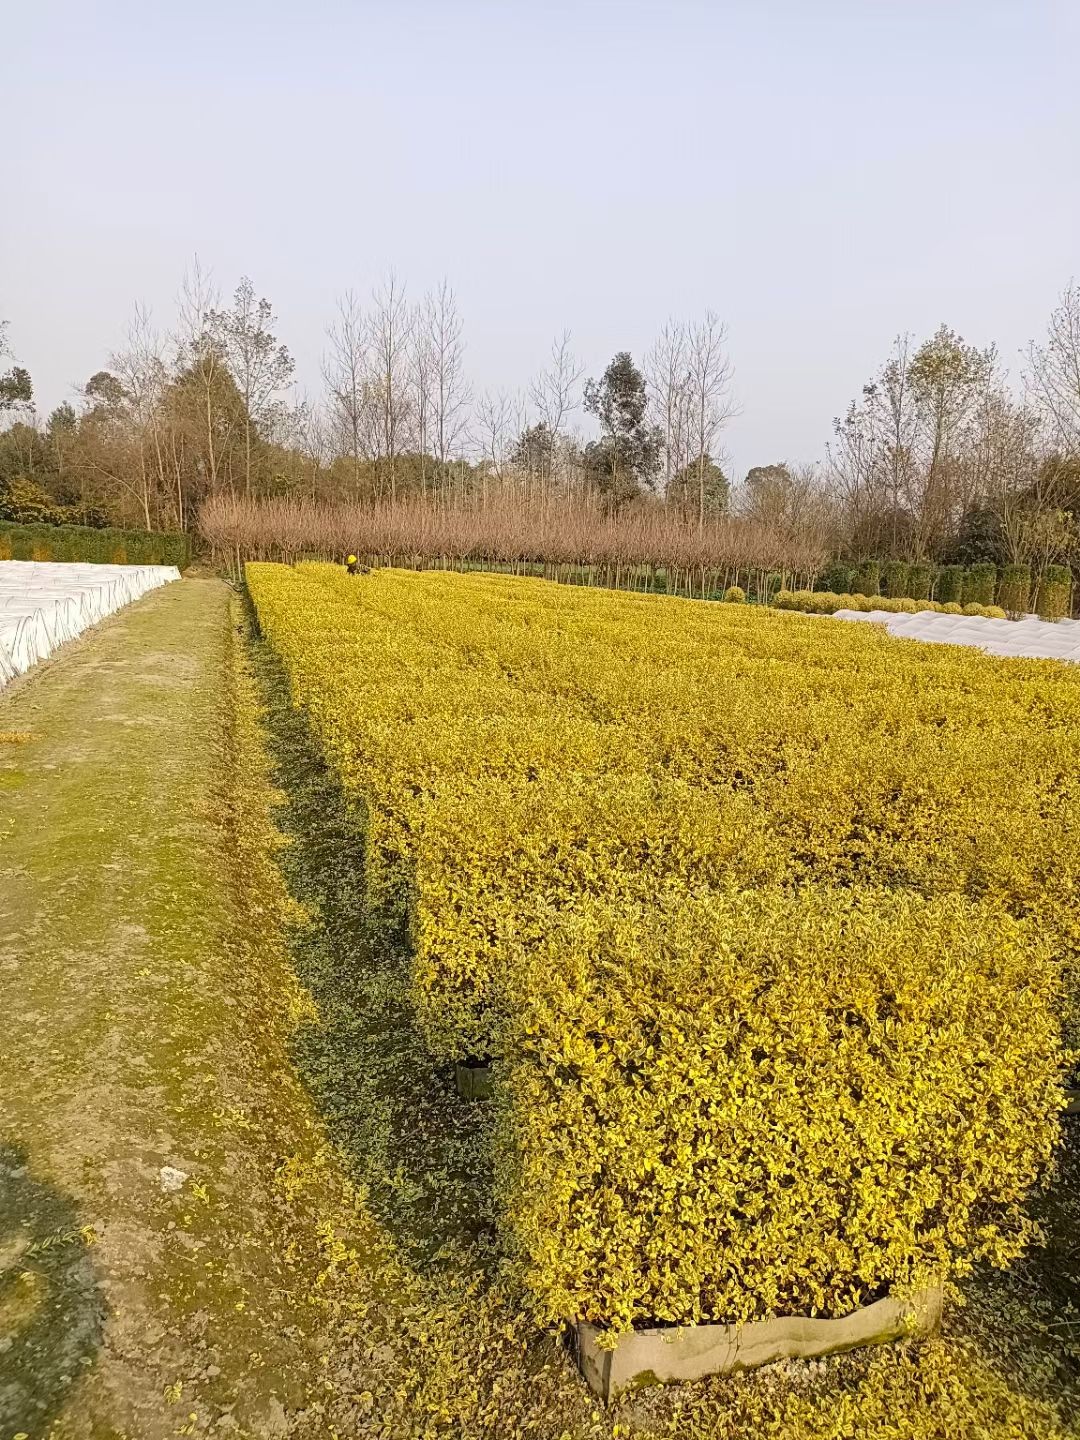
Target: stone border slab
[[690, 1352]]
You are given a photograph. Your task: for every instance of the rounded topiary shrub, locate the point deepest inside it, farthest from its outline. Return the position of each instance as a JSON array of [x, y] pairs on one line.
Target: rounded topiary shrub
[[951, 607], [751, 1104], [735, 595], [812, 602]]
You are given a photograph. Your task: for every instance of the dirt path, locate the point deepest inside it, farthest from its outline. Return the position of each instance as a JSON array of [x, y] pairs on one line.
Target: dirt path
[[142, 1285]]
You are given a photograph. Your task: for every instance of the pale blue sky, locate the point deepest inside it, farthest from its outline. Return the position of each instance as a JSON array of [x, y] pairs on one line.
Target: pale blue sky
[[822, 174]]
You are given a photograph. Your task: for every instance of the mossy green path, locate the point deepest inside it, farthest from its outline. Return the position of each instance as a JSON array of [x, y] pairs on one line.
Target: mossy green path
[[145, 1284]]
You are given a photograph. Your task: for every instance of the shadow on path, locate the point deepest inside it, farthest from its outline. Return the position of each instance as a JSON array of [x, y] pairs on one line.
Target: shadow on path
[[1030, 1315], [419, 1151], [51, 1312]]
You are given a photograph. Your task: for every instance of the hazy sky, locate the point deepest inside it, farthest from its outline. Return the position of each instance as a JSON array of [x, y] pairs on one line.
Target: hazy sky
[[823, 173]]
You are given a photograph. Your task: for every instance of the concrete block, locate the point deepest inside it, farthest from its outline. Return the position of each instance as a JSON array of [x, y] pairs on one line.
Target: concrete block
[[690, 1352]]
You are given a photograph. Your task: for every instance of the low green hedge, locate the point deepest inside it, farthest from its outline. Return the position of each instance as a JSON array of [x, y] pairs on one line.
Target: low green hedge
[[895, 578], [1014, 589], [867, 578], [80, 543], [836, 578], [980, 585], [1055, 592], [950, 585], [920, 578]]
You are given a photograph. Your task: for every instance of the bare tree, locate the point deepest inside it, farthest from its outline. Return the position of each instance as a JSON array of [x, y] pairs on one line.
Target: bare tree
[[143, 373], [201, 354], [390, 331], [709, 374], [874, 456], [261, 367], [667, 376], [555, 395], [495, 421], [902, 457], [1003, 456], [896, 419], [1054, 376], [301, 435], [421, 368], [554, 391], [449, 387], [345, 374]]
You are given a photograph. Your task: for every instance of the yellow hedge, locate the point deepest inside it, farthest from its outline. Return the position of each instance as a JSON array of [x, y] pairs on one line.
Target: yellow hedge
[[750, 1104], [529, 756], [476, 717]]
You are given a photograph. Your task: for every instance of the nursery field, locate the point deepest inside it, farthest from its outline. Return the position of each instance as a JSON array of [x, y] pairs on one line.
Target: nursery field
[[673, 869], [694, 884]]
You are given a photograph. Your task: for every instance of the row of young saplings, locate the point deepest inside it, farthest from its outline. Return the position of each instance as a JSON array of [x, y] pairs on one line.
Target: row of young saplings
[[760, 945], [1014, 588]]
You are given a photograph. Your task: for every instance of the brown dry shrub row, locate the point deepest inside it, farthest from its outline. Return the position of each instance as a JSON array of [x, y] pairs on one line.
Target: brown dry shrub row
[[627, 548]]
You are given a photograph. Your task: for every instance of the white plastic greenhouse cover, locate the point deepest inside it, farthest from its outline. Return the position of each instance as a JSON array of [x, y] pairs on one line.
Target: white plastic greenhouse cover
[[43, 604], [1030, 637]]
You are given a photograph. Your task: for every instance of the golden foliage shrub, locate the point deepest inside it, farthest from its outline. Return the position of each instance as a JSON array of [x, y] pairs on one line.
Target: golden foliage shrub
[[535, 760], [747, 1104]]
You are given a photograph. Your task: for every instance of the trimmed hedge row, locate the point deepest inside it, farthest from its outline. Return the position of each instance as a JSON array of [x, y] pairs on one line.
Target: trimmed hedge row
[[81, 543], [1013, 588], [733, 903], [823, 602]]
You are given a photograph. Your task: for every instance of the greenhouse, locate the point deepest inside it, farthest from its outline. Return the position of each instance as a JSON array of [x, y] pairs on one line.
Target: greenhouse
[[42, 605]]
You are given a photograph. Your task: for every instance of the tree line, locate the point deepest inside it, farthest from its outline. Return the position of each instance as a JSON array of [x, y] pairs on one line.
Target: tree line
[[941, 458]]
